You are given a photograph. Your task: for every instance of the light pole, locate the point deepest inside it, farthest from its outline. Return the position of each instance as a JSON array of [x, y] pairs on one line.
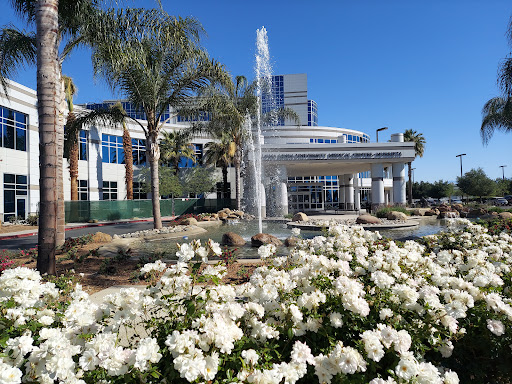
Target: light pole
[[460, 156], [378, 130], [503, 170], [412, 170]]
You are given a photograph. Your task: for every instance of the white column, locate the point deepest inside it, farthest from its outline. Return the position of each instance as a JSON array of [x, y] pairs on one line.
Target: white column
[[378, 198], [349, 192], [357, 202], [399, 184], [94, 163], [341, 191]]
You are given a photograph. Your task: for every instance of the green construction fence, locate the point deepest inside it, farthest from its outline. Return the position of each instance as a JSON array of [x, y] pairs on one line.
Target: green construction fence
[[111, 210]]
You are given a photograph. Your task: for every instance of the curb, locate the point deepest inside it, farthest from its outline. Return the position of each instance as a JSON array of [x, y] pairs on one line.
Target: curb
[[91, 225]]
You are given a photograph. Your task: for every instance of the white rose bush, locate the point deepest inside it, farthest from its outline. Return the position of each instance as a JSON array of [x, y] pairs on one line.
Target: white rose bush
[[346, 307]]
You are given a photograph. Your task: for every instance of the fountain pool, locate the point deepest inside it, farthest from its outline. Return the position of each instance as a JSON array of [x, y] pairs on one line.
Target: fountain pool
[[247, 229]]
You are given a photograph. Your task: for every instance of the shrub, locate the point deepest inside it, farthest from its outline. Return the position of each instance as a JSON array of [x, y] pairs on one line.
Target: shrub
[[347, 307], [383, 212], [5, 260], [32, 220]]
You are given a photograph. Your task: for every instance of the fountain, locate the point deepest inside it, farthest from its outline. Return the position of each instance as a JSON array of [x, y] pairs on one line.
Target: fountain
[[263, 72]]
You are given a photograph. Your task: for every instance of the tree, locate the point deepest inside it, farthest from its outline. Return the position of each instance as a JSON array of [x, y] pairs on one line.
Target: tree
[[174, 146], [71, 134], [441, 189], [156, 62], [197, 180], [419, 149], [497, 112], [52, 19], [221, 153], [48, 86], [113, 116], [476, 183], [229, 105]]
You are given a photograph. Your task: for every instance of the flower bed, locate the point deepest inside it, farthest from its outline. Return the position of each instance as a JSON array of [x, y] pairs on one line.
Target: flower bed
[[344, 307]]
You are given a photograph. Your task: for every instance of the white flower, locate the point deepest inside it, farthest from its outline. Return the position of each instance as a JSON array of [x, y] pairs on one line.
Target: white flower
[[496, 327], [301, 354], [295, 231], [265, 251], [8, 374], [214, 247], [336, 320], [384, 313], [185, 252], [250, 356], [407, 368]]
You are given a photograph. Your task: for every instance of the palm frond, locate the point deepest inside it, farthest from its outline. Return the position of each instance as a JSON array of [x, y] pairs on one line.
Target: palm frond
[[17, 49], [496, 115]]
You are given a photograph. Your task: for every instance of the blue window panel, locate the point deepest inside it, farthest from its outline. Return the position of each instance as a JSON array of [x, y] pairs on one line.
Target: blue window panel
[[8, 136], [105, 158], [21, 139], [112, 155]]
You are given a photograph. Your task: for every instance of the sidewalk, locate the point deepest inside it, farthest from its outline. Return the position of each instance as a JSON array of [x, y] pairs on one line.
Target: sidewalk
[[69, 226]]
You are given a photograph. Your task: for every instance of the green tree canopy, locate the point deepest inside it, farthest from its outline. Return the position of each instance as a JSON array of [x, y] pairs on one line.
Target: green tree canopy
[[476, 183]]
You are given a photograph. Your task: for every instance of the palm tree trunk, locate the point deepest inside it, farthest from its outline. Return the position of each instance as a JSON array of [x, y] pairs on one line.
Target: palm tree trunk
[[61, 208], [154, 158], [225, 194], [237, 162], [410, 183], [73, 158], [48, 90], [128, 160]]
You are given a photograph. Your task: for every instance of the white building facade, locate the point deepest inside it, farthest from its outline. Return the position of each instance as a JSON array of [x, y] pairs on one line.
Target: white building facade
[[307, 167]]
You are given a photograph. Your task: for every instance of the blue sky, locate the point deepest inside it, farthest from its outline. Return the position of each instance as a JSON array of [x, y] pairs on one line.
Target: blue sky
[[424, 65]]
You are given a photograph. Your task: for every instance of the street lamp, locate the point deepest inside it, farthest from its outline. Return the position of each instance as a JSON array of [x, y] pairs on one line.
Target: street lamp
[[378, 130], [462, 154], [412, 170], [503, 170]]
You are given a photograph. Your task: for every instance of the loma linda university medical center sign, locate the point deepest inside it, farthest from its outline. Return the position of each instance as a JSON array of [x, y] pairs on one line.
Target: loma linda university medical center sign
[[331, 156]]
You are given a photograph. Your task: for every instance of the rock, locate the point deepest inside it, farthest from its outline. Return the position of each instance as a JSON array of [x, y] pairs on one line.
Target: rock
[[505, 215], [477, 212], [418, 212], [300, 216], [291, 241], [214, 216], [444, 208], [396, 215], [223, 215], [263, 239], [188, 221], [205, 218], [233, 239], [240, 214], [232, 216], [368, 219], [100, 237], [448, 215], [432, 212], [458, 207], [494, 213]]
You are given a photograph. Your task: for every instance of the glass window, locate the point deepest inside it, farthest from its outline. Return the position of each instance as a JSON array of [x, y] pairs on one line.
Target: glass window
[[83, 145], [14, 185], [13, 129], [83, 190], [139, 151], [109, 190], [112, 149]]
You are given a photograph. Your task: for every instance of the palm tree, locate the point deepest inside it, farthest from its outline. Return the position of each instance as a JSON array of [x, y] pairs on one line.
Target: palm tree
[[52, 19], [175, 145], [71, 145], [113, 117], [156, 62], [48, 85], [497, 112], [419, 148], [229, 105], [221, 153]]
